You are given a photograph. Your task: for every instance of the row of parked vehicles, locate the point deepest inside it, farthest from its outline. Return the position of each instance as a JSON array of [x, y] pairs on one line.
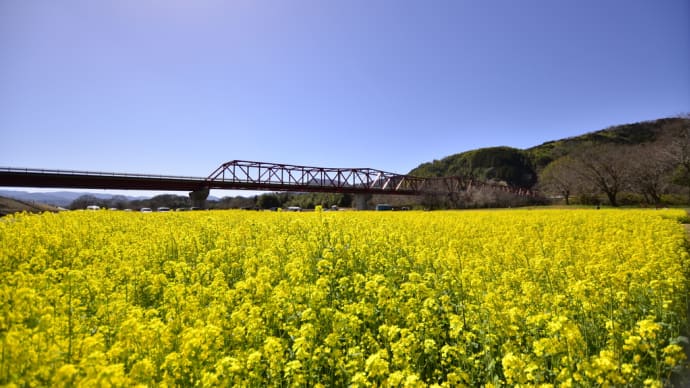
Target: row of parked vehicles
[[147, 209], [167, 209]]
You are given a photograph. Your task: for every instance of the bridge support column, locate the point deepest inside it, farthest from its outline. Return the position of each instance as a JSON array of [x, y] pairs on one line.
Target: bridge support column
[[361, 200], [198, 198]]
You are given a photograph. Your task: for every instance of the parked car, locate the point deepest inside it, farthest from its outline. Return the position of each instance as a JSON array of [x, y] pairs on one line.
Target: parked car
[[146, 210], [163, 209]]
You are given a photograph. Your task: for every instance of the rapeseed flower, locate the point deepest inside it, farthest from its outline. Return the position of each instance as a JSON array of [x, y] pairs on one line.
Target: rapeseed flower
[[522, 297]]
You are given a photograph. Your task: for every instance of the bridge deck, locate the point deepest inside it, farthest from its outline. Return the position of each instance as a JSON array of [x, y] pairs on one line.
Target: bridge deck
[[44, 178], [246, 175], [24, 177]]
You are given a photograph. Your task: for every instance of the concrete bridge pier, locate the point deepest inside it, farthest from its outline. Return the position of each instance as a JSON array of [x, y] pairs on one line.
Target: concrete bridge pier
[[360, 201], [198, 198]]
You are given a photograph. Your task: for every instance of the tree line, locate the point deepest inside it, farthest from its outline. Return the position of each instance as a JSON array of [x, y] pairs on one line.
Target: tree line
[[263, 201], [652, 173]]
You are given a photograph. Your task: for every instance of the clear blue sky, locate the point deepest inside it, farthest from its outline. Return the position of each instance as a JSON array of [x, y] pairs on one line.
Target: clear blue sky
[[178, 87]]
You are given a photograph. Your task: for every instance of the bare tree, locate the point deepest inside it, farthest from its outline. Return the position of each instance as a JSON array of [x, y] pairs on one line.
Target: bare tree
[[679, 151], [650, 171], [606, 168], [560, 177]]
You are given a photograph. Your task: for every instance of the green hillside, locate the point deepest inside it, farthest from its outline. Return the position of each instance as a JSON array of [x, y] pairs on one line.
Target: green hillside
[[627, 134], [505, 164], [519, 167]]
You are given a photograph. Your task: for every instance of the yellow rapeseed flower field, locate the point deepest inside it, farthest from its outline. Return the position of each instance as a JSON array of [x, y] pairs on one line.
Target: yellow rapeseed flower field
[[237, 298]]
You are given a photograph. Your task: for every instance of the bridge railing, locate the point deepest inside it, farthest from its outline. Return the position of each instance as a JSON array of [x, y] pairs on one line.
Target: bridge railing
[[20, 170]]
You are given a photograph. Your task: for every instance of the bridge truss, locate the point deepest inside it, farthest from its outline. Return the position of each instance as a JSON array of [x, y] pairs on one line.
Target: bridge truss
[[288, 177], [260, 176]]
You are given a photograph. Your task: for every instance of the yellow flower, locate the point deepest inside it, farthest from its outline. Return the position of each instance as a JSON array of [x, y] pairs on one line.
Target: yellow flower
[[376, 365], [648, 329], [232, 298], [674, 355]]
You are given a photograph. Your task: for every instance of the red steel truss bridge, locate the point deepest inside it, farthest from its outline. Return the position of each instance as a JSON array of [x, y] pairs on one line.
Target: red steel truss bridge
[[247, 175]]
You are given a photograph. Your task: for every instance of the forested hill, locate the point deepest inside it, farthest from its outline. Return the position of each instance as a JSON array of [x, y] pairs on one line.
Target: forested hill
[[506, 164], [627, 134], [518, 167]]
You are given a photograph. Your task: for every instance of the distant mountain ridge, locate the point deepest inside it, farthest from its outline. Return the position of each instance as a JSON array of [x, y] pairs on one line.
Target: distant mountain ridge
[[57, 198], [65, 198]]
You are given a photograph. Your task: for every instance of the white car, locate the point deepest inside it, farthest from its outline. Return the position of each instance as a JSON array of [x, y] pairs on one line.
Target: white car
[[146, 210]]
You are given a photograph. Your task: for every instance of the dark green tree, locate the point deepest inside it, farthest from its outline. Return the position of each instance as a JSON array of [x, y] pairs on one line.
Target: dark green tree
[[87, 200], [268, 201]]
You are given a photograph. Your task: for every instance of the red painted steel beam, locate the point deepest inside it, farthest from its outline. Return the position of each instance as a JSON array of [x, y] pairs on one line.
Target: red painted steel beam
[[277, 176]]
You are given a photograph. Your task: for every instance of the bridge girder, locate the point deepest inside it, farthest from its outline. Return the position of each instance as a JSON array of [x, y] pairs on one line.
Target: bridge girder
[[260, 176], [282, 177]]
